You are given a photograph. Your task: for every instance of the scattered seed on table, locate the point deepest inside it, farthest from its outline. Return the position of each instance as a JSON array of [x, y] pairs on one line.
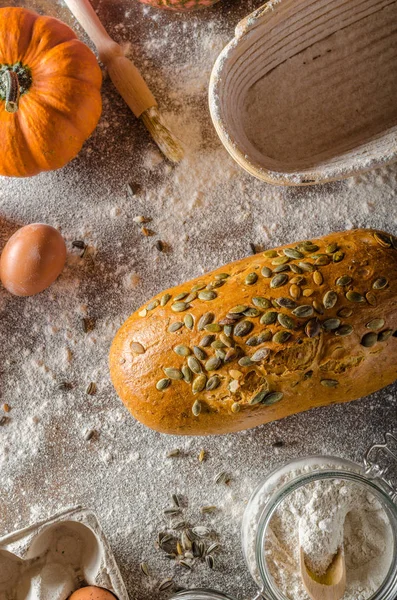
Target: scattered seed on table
[[174, 453]]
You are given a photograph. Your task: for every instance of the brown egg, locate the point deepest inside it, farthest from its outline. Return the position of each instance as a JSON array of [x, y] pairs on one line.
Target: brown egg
[[92, 593], [32, 259]]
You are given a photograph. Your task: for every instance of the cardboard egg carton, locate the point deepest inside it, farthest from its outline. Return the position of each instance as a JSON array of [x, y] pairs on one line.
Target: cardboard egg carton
[[51, 559]]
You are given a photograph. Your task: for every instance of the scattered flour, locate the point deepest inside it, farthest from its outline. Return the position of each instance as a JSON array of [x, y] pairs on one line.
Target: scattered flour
[[207, 211]]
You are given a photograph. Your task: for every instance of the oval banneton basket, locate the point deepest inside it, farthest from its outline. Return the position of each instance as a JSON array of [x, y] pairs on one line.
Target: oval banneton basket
[[306, 91]]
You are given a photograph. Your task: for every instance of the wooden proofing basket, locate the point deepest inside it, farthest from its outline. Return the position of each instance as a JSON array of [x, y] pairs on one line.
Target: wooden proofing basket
[[306, 92]]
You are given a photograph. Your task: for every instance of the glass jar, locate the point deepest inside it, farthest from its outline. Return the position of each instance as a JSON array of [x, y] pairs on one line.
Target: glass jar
[[374, 476]]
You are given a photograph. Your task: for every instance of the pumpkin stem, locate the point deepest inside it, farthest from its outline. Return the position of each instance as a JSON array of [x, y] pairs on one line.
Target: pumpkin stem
[[11, 83]]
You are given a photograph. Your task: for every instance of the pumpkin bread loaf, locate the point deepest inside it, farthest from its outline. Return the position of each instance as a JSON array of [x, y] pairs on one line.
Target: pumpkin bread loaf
[[309, 324]]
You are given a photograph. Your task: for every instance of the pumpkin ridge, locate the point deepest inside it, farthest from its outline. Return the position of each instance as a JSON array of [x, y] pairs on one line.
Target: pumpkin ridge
[[82, 70], [81, 118], [46, 156], [47, 33]]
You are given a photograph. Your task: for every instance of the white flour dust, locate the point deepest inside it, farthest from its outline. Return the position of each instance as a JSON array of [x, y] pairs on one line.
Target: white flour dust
[[62, 447]]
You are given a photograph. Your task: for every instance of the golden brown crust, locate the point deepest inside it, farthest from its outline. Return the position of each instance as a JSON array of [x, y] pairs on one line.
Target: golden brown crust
[[331, 356]]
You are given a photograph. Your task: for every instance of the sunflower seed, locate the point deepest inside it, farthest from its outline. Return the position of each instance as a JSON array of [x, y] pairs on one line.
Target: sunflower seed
[[210, 562], [175, 327], [330, 299], [278, 280], [331, 324], [173, 373], [171, 512], [375, 324], [303, 311], [196, 408], [198, 549], [220, 354], [180, 296], [313, 328], [235, 408], [281, 337], [354, 297], [222, 276], [222, 477], [197, 287], [329, 383], [369, 339], [268, 318], [174, 453], [243, 328], [186, 541], [65, 386], [201, 531], [286, 321], [165, 585], [371, 298], [189, 321], [344, 330], [144, 569], [382, 240], [163, 384], [344, 281], [385, 335], [199, 384], [204, 320], [292, 253], [272, 398], [78, 244], [87, 324], [380, 283], [260, 354], [213, 363], [137, 348], [182, 350], [286, 303], [179, 306], [206, 341]]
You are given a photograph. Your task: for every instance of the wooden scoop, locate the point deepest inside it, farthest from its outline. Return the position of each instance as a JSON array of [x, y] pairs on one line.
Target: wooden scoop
[[331, 585]]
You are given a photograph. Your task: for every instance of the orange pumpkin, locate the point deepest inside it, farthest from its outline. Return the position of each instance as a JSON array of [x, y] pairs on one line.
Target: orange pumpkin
[[50, 100]]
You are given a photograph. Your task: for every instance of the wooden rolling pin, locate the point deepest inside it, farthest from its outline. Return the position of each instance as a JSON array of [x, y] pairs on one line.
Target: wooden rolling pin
[[127, 79]]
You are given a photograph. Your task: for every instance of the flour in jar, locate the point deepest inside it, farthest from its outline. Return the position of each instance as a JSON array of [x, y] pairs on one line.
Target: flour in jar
[[320, 516]]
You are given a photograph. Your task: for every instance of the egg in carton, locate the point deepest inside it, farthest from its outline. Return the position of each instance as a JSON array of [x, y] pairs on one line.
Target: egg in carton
[[52, 559]]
